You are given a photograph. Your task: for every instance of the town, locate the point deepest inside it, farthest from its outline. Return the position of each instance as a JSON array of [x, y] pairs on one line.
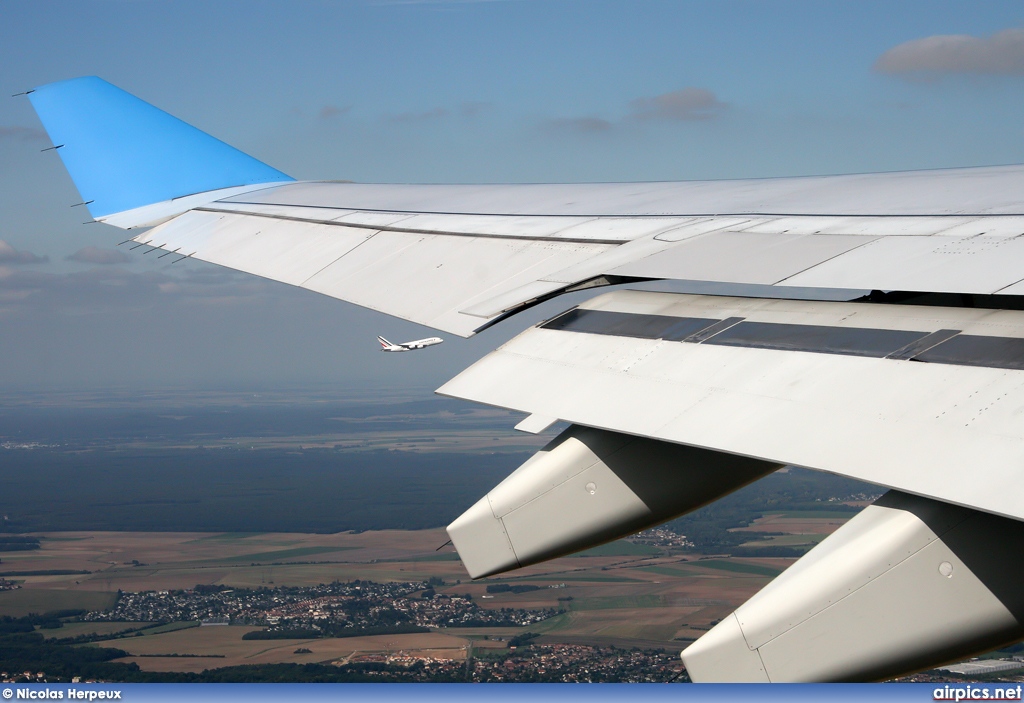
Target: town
[[361, 607], [354, 609], [537, 663]]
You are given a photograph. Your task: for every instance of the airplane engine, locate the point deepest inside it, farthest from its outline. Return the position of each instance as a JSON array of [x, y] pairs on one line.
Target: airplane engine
[[908, 584], [587, 487]]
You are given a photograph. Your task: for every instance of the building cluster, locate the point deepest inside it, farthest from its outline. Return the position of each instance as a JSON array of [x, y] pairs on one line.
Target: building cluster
[[1004, 670], [26, 445], [580, 663], [549, 663], [660, 537], [984, 667], [358, 605], [852, 498], [23, 677], [37, 677]]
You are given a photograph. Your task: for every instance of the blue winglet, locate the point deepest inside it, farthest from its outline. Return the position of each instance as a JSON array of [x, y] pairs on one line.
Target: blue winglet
[[123, 153]]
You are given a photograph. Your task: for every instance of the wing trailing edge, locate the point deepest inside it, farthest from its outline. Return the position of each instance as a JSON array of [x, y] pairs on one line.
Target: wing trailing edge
[[937, 390]]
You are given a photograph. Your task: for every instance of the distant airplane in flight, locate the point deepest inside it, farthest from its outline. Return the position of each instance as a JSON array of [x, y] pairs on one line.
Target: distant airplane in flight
[[408, 346]]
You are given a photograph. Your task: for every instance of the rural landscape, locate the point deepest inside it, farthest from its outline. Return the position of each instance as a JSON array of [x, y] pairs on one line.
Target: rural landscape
[[273, 538]]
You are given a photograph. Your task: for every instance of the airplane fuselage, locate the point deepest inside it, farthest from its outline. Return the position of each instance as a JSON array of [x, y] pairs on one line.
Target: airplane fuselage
[[414, 345]]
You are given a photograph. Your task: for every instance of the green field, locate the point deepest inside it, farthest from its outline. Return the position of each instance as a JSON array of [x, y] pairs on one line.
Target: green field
[[677, 572], [227, 537], [440, 556], [559, 622], [619, 548], [787, 541], [612, 602], [738, 567], [74, 629], [818, 514], [111, 630], [40, 600], [171, 627], [594, 577], [276, 555]]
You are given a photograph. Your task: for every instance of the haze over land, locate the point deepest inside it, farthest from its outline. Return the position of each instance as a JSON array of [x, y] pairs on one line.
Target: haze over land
[[300, 462], [304, 461]]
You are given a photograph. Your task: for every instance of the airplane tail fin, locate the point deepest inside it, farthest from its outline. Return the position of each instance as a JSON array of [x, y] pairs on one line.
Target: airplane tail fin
[[123, 153], [384, 343]]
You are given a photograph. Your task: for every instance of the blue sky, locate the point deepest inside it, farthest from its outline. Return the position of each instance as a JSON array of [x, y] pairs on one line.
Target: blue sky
[[447, 91]]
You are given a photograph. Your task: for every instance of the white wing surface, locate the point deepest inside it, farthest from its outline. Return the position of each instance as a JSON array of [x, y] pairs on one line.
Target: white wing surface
[[466, 257], [792, 382]]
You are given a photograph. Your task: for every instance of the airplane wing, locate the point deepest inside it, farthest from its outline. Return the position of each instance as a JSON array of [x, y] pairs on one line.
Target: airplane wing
[[793, 382], [477, 253], [673, 400], [475, 258]]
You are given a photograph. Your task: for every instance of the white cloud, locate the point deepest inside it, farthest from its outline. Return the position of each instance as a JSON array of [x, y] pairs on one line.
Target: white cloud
[[329, 111], [950, 54], [28, 292], [10, 255], [683, 105], [468, 110], [474, 108], [580, 125], [427, 116], [23, 133], [95, 255], [679, 105]]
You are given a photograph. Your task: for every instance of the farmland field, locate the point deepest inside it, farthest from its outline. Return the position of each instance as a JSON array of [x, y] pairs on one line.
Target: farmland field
[[622, 594], [248, 492]]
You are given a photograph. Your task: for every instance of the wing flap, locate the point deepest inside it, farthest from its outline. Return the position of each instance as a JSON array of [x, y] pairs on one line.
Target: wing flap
[[808, 396]]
